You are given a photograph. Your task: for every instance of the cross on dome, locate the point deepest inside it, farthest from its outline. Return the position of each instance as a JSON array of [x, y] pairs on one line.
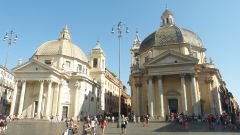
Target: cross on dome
[[65, 34]]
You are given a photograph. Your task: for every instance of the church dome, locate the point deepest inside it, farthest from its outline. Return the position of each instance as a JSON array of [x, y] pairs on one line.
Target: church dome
[[169, 34], [62, 46]]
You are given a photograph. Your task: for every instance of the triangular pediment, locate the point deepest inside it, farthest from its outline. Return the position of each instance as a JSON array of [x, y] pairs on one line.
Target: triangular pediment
[[171, 57], [33, 66]]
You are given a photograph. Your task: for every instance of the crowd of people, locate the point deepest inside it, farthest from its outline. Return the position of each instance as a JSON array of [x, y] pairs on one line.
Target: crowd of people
[[91, 123], [226, 121]]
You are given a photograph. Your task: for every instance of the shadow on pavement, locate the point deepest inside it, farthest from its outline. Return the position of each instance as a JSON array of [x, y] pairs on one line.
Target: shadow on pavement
[[193, 127]]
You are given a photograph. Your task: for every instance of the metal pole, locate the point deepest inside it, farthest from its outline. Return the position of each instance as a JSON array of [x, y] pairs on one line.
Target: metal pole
[[119, 30], [119, 72]]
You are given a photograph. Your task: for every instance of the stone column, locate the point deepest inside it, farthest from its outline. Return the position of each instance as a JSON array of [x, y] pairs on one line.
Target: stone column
[[20, 108], [137, 85], [160, 88], [40, 99], [218, 101], [76, 108], [49, 101], [198, 99], [194, 95], [184, 94], [14, 99], [59, 112], [150, 97], [96, 102]]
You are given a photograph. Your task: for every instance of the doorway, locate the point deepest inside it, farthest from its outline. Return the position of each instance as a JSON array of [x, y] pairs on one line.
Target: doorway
[[35, 108], [64, 112], [173, 105]]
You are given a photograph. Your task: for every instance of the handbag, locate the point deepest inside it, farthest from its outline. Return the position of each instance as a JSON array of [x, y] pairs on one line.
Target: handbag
[[75, 129], [87, 130]]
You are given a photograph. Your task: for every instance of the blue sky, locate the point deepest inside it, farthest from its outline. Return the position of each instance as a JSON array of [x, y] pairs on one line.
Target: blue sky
[[35, 22]]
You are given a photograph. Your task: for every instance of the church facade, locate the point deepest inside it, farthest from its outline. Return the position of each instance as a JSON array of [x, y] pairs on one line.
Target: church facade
[[170, 73], [59, 80]]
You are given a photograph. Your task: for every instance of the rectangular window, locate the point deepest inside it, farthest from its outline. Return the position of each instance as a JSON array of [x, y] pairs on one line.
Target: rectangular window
[[68, 64], [146, 59], [95, 62], [79, 67], [48, 62], [194, 54]]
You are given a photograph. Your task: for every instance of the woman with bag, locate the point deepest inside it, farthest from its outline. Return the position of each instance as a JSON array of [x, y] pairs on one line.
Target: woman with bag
[[72, 128], [86, 126]]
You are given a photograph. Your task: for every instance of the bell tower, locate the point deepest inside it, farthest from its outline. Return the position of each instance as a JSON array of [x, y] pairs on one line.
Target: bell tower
[[167, 18], [97, 58], [135, 51]]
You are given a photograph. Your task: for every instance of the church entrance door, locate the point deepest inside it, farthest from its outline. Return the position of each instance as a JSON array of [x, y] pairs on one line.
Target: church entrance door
[[173, 105], [64, 112]]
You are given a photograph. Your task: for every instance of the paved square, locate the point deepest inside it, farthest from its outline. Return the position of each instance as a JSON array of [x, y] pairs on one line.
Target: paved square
[[30, 127]]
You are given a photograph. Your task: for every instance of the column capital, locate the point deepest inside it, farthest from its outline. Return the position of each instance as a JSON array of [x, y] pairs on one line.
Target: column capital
[[41, 81], [77, 84], [160, 76], [150, 77], [193, 74], [23, 81], [183, 75], [49, 81], [138, 84], [209, 80]]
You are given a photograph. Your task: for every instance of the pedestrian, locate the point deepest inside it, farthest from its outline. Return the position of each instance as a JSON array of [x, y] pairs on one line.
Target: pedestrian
[[147, 118], [86, 126], [139, 119], [72, 128], [134, 119], [103, 125], [113, 119], [144, 120], [124, 124], [93, 125]]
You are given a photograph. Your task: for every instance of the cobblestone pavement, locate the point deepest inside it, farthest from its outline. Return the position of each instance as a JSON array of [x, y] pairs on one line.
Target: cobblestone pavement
[[30, 127]]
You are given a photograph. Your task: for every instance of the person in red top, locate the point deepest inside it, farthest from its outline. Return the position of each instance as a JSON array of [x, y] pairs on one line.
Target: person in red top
[[103, 125], [210, 120]]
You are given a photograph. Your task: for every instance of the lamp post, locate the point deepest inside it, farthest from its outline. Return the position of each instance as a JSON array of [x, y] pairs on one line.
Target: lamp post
[[10, 37], [119, 32]]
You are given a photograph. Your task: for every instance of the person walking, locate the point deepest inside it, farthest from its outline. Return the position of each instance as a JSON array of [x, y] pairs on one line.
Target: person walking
[[71, 127], [93, 125], [86, 126], [113, 119], [134, 119], [103, 125], [124, 124]]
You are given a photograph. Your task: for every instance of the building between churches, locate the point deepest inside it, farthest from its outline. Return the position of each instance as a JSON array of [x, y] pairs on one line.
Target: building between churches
[[59, 80], [6, 89], [171, 74]]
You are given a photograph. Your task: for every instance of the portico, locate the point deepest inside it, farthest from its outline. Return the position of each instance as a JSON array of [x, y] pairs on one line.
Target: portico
[[34, 101]]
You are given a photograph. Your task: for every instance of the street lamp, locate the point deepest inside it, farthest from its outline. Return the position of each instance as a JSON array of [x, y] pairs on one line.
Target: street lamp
[[10, 37], [119, 30]]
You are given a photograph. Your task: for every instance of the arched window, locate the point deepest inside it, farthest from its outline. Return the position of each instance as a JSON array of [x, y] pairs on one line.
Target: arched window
[[167, 20], [95, 62]]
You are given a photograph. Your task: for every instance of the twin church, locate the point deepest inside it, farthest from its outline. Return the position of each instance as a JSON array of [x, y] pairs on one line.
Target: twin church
[[169, 73]]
